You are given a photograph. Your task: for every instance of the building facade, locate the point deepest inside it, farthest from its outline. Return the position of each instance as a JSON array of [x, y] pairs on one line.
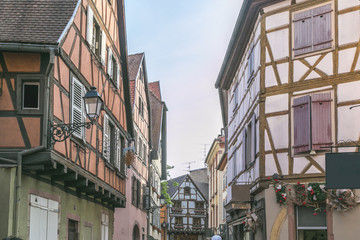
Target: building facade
[[50, 55], [287, 83], [187, 216], [157, 170], [131, 222], [216, 207]]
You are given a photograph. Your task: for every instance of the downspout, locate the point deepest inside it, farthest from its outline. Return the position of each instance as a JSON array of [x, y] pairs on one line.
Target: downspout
[[51, 50]]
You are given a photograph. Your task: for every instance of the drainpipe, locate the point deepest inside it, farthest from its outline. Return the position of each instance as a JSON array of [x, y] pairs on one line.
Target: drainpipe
[[18, 184]]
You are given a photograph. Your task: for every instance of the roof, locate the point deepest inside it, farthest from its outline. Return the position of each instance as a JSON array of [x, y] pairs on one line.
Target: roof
[[156, 114], [34, 21], [132, 92], [155, 88], [171, 186], [134, 64]]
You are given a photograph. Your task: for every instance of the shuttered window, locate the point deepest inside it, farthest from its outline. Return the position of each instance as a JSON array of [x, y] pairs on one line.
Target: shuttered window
[[104, 226], [95, 37], [312, 122], [249, 144], [312, 30], [106, 138], [78, 108], [112, 143], [251, 64], [44, 218]]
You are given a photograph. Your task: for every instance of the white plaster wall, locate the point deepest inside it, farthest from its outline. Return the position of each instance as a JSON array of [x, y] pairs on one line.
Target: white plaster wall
[[299, 164], [343, 4], [312, 75], [284, 162], [348, 127], [320, 159], [270, 166], [277, 20], [311, 60], [326, 64], [348, 91], [278, 126], [257, 31], [349, 27], [267, 142], [299, 69], [346, 58], [283, 70], [277, 6], [276, 103], [279, 43], [270, 78]]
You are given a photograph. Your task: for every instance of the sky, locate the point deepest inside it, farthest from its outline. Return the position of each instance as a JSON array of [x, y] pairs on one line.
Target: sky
[[185, 42]]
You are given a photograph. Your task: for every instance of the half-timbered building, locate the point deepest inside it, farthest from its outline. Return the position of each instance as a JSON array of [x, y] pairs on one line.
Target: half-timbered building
[[157, 170], [187, 216], [131, 222], [289, 77], [51, 53]]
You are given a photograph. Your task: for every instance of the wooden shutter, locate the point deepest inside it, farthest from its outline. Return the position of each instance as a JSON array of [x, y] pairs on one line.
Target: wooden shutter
[[303, 32], [103, 47], [52, 219], [110, 64], [77, 113], [138, 193], [118, 148], [302, 129], [106, 138], [322, 27], [321, 120], [133, 186], [89, 26], [243, 152], [253, 137]]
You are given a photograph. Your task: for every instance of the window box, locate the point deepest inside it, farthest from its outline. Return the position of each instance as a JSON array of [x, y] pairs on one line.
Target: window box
[[176, 210], [178, 226], [200, 211]]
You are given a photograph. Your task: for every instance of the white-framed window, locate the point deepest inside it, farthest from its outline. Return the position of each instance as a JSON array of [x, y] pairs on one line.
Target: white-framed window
[[308, 226], [104, 226], [113, 143], [44, 218], [95, 36], [312, 30], [113, 69], [251, 63], [249, 143], [78, 114], [30, 95]]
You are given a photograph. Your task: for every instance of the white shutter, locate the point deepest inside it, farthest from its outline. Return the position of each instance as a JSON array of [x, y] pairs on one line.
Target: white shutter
[[106, 138], [109, 64], [103, 47], [118, 75], [89, 25], [52, 223], [37, 223], [118, 149], [77, 113], [253, 138]]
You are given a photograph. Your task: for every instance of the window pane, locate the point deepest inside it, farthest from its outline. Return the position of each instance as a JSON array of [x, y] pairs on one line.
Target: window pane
[[31, 96], [306, 218], [312, 234]]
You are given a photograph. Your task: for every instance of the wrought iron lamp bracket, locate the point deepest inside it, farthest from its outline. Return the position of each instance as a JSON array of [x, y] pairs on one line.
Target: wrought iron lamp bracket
[[60, 132]]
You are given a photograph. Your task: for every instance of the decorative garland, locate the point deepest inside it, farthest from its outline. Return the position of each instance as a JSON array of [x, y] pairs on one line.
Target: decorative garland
[[313, 195]]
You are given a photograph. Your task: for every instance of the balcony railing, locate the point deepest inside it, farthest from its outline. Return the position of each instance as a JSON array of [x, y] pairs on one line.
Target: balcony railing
[[179, 226], [176, 210]]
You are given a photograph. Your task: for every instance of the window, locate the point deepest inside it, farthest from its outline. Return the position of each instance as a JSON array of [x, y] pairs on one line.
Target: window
[[73, 230], [236, 97], [199, 205], [113, 69], [250, 69], [43, 218], [177, 204], [312, 30], [140, 147], [141, 76], [178, 220], [135, 141], [186, 190], [31, 95], [249, 143], [312, 122], [95, 37], [104, 227], [145, 153], [141, 107], [196, 221], [136, 192], [113, 143], [78, 108], [310, 227]]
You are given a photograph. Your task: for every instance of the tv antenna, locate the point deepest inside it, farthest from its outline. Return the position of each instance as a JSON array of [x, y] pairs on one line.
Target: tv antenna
[[189, 165]]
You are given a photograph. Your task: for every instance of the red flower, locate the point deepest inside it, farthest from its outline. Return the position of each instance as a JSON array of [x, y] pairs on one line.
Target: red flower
[[298, 183], [285, 198], [314, 213], [340, 199], [276, 190], [279, 200], [269, 178], [289, 189], [324, 210], [243, 222], [276, 180], [304, 194], [304, 203], [303, 186], [312, 193]]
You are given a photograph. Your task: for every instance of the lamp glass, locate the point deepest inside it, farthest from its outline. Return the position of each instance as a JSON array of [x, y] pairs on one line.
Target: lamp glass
[[93, 104]]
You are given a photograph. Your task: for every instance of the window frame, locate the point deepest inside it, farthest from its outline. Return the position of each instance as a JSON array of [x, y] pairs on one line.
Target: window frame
[[29, 78], [74, 79], [332, 28], [306, 228]]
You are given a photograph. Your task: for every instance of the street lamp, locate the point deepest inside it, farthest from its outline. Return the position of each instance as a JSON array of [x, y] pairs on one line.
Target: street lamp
[[93, 105]]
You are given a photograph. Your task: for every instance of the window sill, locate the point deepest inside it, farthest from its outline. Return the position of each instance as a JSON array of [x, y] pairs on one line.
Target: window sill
[[312, 53]]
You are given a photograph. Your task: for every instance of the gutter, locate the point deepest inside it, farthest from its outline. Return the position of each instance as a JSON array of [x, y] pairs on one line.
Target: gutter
[[29, 47]]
